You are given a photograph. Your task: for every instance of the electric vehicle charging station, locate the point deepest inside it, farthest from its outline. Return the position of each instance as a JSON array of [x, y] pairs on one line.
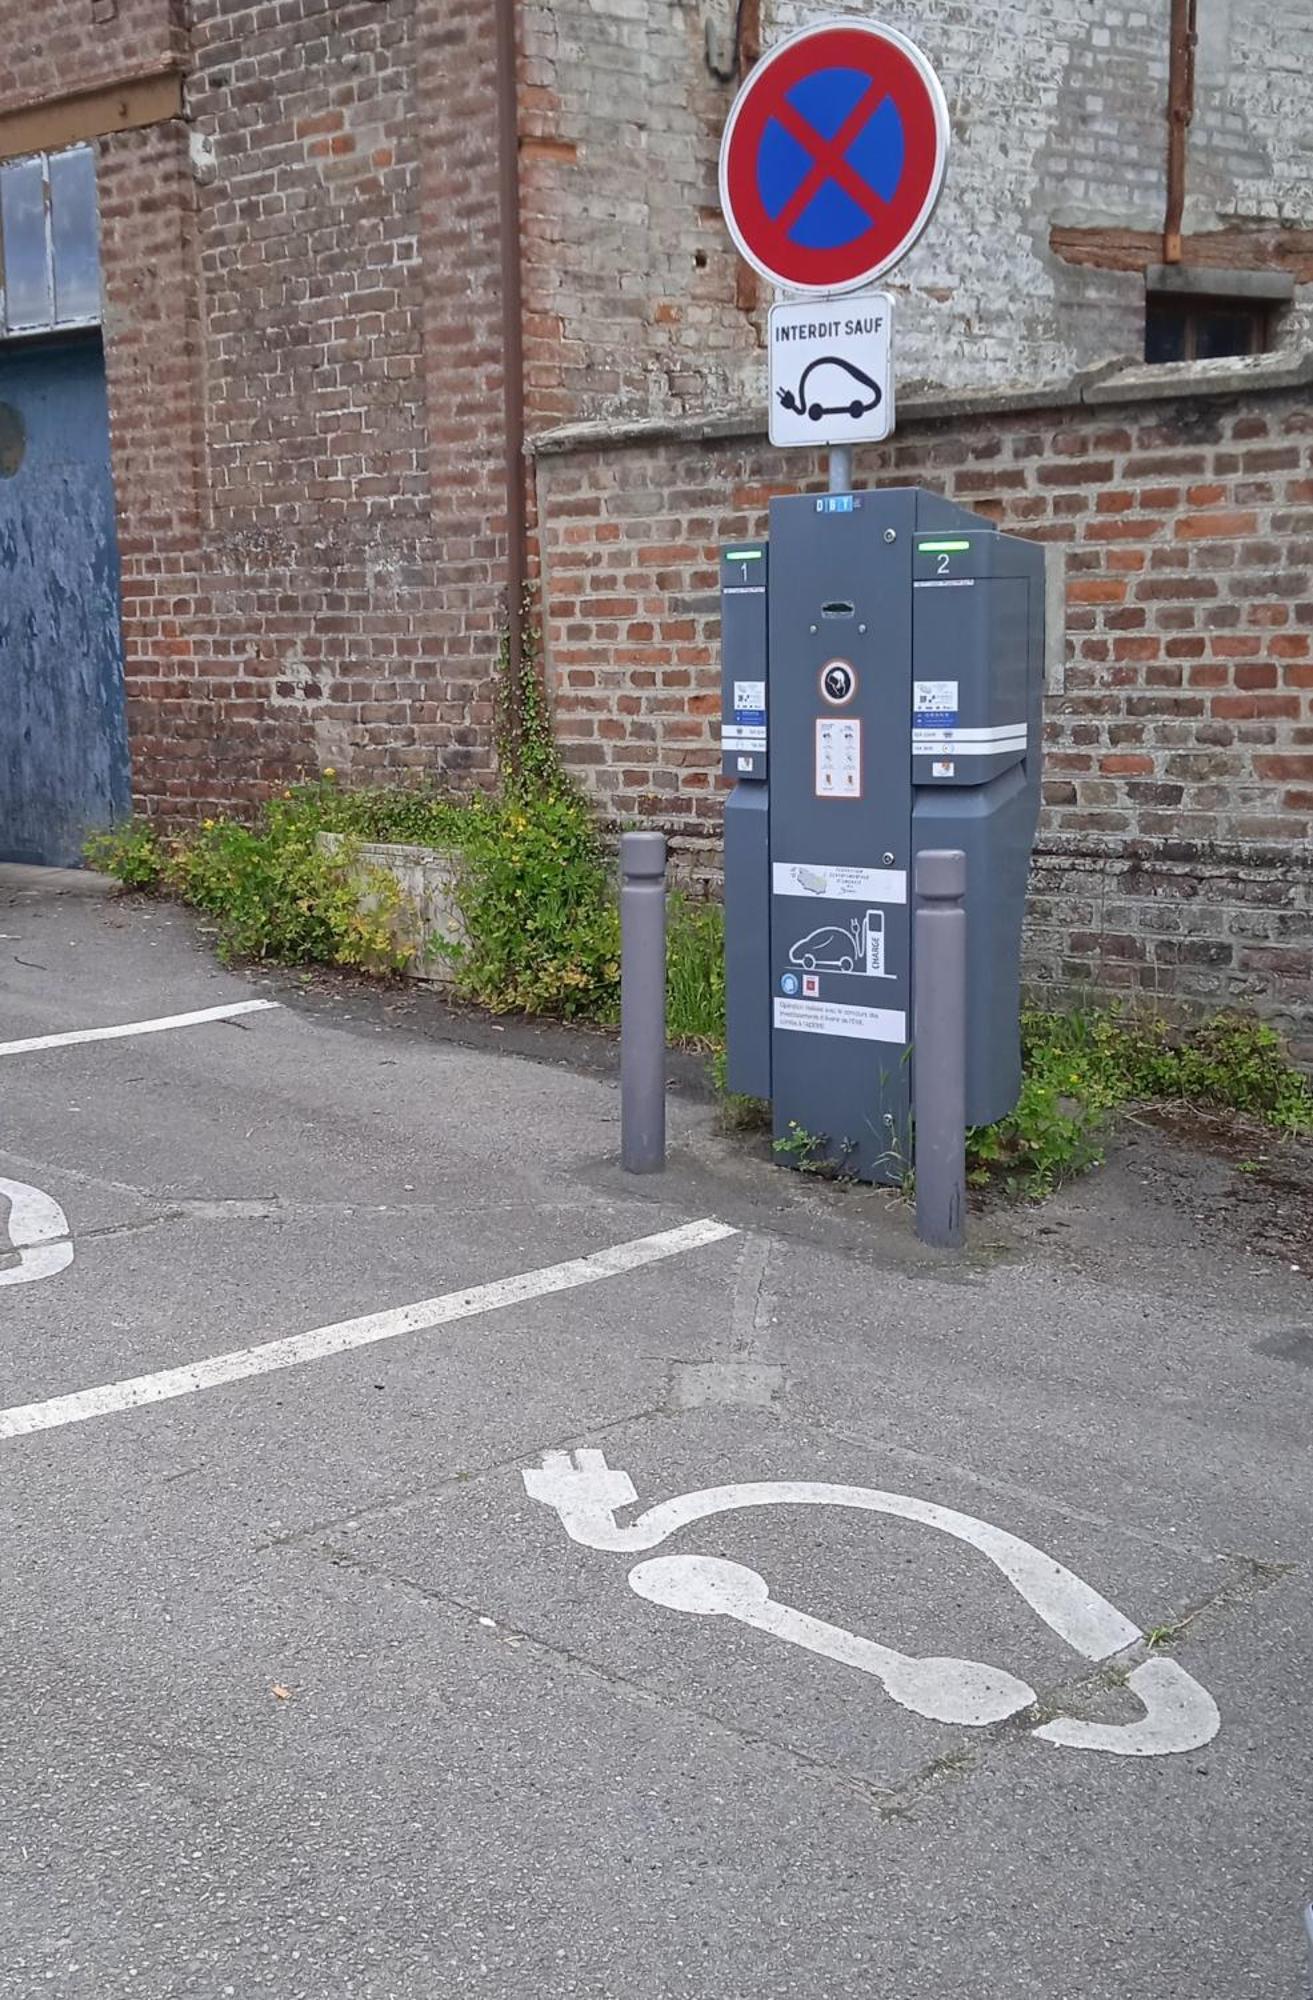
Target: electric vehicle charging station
[[882, 670], [883, 673]]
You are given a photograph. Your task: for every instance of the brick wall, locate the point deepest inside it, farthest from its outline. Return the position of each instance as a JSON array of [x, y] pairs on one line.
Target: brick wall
[[640, 307], [1174, 852], [335, 263], [60, 46], [302, 333]]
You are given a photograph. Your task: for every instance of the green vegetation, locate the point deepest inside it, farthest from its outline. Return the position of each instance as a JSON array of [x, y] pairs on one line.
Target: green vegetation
[[1080, 1067], [270, 890], [537, 894]]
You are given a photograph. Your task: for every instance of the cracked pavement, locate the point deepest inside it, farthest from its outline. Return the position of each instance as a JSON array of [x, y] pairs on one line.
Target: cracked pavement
[[302, 1692]]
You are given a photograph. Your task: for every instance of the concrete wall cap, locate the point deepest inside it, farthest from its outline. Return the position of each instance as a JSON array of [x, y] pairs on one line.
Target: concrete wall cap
[[1118, 381]]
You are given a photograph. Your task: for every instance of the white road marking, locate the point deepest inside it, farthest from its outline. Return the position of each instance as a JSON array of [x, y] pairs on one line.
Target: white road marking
[[944, 1689], [38, 1231], [155, 1027], [340, 1338], [1179, 1715], [586, 1493]]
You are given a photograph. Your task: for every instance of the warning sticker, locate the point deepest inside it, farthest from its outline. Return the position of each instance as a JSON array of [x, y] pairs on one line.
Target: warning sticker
[[829, 1017], [838, 758]]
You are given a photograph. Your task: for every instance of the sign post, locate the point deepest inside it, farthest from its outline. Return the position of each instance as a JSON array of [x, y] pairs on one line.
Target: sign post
[[831, 164]]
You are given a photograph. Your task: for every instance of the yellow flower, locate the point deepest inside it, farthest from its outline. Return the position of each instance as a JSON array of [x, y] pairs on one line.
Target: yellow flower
[[329, 771]]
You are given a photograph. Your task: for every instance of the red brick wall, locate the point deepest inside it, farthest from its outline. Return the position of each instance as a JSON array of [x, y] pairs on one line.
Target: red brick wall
[[52, 47], [336, 268], [303, 353], [1174, 852]]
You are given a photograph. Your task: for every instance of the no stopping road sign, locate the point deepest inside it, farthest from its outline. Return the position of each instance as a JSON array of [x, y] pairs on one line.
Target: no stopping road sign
[[833, 156]]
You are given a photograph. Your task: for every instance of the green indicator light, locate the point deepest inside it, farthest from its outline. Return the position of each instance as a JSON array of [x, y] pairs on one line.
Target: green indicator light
[[750, 555], [941, 548]]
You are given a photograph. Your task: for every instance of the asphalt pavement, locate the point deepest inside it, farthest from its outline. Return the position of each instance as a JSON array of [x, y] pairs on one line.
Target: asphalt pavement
[[436, 1564]]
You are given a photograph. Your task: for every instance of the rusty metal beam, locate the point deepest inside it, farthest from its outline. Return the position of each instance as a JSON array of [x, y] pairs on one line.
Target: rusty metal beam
[[506, 31], [121, 106], [1180, 110]]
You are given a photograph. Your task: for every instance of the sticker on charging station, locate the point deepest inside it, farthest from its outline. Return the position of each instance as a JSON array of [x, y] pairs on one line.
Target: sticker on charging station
[[833, 884], [829, 1017], [750, 701], [838, 757], [934, 704]]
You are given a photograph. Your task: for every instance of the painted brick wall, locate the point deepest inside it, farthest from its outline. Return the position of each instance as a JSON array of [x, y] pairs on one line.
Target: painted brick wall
[[1058, 118], [1174, 854]]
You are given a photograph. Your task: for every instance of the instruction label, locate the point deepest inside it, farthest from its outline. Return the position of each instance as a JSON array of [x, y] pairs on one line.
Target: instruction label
[[839, 885], [750, 701], [934, 704], [838, 758], [829, 1017]]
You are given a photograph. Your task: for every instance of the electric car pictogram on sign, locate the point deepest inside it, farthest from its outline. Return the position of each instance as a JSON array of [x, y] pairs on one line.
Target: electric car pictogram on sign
[[833, 156]]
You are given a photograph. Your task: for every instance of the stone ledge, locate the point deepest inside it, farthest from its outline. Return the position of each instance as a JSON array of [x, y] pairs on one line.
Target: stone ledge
[[426, 877], [1117, 382], [1192, 856]]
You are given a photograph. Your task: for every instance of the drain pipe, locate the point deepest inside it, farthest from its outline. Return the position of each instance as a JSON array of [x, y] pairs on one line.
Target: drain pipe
[[512, 298], [1180, 110]]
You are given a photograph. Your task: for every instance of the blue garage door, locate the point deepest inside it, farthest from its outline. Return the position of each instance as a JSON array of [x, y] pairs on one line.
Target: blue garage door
[[63, 739]]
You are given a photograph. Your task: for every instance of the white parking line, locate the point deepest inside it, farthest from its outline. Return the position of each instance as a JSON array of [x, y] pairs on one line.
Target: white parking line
[[322, 1341], [135, 1027]]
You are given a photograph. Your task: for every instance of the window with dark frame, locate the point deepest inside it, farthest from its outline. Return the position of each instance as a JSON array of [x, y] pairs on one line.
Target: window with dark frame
[[1181, 326]]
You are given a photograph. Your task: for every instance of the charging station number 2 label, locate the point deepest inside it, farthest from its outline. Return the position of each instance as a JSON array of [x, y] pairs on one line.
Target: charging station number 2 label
[[838, 757]]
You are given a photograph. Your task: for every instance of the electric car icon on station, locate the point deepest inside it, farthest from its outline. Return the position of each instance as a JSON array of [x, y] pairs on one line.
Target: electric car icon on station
[[832, 387], [855, 947]]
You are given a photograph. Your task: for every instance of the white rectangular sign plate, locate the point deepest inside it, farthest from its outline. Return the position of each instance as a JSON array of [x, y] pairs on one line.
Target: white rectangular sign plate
[[839, 884], [831, 370], [827, 1017]]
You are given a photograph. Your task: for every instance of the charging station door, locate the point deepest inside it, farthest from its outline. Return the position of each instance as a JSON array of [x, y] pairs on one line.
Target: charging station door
[[840, 660]]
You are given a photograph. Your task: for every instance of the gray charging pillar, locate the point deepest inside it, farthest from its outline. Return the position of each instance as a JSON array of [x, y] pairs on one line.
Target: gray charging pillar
[[890, 674], [743, 742]]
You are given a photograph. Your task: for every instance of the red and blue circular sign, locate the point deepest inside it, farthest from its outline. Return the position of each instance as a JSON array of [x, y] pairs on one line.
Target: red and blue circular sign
[[833, 156]]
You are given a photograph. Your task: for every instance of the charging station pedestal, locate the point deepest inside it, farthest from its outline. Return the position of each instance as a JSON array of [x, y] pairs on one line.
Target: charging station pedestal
[[883, 673]]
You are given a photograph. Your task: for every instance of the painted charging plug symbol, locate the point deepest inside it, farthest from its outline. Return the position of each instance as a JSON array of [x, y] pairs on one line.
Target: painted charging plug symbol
[[586, 1493], [36, 1232]]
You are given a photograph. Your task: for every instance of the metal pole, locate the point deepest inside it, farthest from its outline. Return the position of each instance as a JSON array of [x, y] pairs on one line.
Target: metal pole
[[642, 1002], [841, 468], [939, 1022], [512, 346]]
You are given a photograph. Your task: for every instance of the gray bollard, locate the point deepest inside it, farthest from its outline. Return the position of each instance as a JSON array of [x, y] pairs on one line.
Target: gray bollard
[[939, 1002], [1308, 1932], [642, 1002]]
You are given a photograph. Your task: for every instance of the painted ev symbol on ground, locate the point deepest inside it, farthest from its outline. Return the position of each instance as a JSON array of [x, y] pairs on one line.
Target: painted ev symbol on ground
[[1179, 1714], [37, 1233]]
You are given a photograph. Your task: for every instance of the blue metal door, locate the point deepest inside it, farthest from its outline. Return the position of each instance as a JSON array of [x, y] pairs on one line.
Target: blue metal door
[[63, 736]]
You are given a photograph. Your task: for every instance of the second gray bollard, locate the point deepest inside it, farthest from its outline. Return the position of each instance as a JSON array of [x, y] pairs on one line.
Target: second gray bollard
[[939, 1001], [642, 1002]]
